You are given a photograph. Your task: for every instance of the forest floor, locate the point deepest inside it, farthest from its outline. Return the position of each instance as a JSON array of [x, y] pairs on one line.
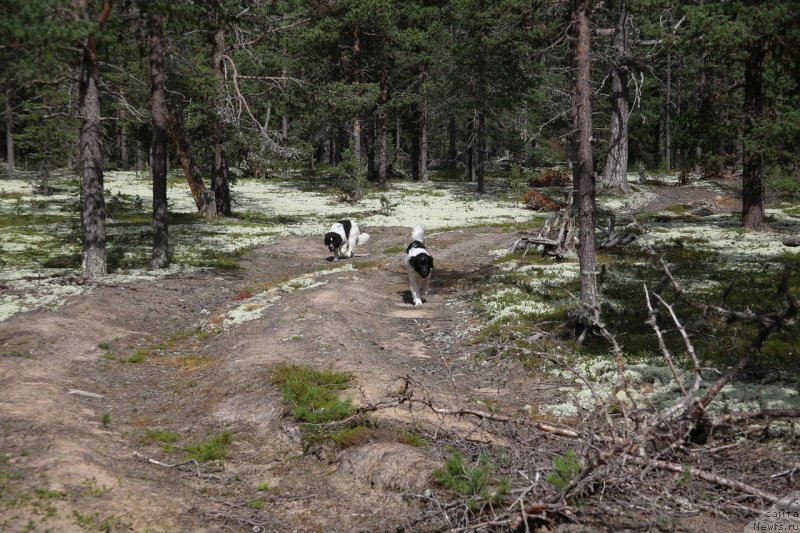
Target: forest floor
[[191, 356]]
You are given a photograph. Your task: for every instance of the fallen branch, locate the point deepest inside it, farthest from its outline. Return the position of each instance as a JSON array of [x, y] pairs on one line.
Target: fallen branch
[[733, 418], [702, 474], [150, 460], [85, 394]]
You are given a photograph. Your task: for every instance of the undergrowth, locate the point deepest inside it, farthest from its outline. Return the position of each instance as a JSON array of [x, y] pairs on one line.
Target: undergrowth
[[477, 483]]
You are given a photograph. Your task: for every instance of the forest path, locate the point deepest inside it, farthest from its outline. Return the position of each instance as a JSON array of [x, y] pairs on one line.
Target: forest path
[[202, 375]]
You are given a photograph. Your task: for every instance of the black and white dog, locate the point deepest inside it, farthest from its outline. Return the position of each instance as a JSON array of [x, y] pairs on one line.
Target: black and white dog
[[343, 238], [418, 262]]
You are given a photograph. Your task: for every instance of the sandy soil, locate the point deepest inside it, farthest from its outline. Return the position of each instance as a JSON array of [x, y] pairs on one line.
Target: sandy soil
[[359, 322], [197, 385]]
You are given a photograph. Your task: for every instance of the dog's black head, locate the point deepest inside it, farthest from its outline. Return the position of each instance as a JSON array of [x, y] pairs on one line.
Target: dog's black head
[[422, 264], [333, 241]]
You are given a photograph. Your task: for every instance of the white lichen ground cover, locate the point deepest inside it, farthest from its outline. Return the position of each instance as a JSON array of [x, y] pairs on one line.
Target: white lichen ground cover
[[40, 230], [522, 295]]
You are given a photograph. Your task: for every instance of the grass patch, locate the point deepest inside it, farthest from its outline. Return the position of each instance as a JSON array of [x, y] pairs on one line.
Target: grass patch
[[212, 449], [138, 356], [394, 249], [258, 503], [105, 419], [193, 361], [366, 265], [160, 435], [313, 394]]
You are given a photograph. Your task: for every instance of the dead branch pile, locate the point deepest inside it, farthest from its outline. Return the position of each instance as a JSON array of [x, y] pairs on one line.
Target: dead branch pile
[[613, 238], [557, 239]]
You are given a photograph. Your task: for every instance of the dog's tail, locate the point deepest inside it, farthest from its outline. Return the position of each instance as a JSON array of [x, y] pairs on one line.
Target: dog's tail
[[418, 234], [362, 238]]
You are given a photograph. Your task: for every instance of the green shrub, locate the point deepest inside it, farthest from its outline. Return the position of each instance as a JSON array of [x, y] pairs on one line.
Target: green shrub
[[474, 481], [565, 468]]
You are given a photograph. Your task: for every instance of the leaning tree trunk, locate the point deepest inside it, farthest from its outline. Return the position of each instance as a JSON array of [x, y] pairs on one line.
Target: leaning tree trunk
[[158, 144], [203, 198], [585, 166], [10, 162], [753, 181], [222, 191], [615, 174], [93, 216]]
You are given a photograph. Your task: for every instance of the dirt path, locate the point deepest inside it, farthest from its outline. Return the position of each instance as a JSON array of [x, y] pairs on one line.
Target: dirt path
[[198, 384]]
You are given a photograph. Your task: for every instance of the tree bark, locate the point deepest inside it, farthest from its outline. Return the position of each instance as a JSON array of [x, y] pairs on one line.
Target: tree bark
[[615, 174], [667, 125], [158, 144], [415, 149], [584, 163], [222, 191], [203, 198], [481, 147], [381, 129], [480, 163], [423, 141], [285, 138], [93, 217], [753, 180], [451, 132], [10, 160]]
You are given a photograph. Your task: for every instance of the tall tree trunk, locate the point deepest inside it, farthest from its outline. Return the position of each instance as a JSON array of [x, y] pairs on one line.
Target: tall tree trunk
[[381, 128], [332, 143], [203, 198], [369, 148], [480, 163], [415, 149], [585, 166], [667, 125], [615, 174], [753, 181], [158, 145], [423, 141], [471, 163], [285, 138], [93, 216], [10, 162], [222, 191], [397, 135], [381, 146], [122, 134], [355, 74], [451, 133], [481, 148]]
